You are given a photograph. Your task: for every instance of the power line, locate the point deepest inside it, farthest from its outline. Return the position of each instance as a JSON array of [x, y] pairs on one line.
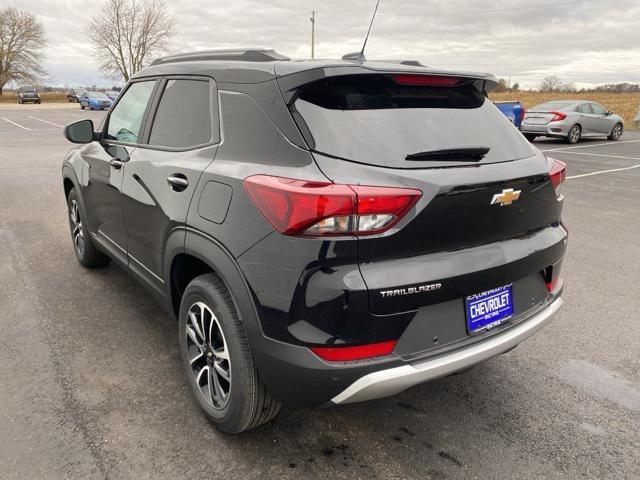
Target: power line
[[453, 14]]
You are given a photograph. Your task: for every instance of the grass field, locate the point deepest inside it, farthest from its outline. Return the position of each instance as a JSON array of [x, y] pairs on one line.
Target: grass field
[[624, 104], [56, 97]]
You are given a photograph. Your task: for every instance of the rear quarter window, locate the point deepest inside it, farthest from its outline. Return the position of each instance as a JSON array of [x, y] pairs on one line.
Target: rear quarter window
[[184, 115]]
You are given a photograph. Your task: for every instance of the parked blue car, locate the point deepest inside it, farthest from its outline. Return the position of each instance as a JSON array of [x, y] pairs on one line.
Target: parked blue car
[[95, 101], [514, 111]]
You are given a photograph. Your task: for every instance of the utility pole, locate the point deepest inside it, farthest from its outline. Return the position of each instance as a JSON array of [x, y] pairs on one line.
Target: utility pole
[[313, 33]]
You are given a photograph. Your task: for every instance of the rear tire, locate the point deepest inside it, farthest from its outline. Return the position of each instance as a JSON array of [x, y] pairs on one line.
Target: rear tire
[[530, 137], [86, 252], [218, 362], [574, 134], [616, 133], [81, 106]]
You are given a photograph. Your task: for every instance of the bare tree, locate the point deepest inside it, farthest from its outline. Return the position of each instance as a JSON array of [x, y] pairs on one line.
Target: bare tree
[[567, 87], [126, 34], [550, 84], [21, 43]]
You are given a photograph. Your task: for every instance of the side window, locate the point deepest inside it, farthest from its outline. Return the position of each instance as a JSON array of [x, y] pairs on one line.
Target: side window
[[598, 109], [183, 117], [126, 118], [584, 108]]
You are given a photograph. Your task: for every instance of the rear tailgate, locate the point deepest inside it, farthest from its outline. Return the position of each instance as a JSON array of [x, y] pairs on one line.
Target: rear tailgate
[[488, 215], [456, 242]]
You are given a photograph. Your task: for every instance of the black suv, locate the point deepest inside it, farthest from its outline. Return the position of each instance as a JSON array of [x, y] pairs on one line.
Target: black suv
[[325, 232], [28, 94]]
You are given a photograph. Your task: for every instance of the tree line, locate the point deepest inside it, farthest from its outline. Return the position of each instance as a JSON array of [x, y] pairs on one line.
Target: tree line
[[552, 83]]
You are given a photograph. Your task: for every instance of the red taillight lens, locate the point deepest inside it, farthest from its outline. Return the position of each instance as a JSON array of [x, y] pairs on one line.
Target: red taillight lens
[[432, 80], [318, 209], [557, 116], [557, 173], [551, 286], [360, 352], [522, 114]]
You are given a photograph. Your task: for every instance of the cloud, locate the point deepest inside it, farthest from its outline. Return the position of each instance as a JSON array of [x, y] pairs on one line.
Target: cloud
[[586, 42]]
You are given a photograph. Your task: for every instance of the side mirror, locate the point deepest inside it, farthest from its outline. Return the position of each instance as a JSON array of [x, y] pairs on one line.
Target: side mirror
[[79, 132], [609, 113]]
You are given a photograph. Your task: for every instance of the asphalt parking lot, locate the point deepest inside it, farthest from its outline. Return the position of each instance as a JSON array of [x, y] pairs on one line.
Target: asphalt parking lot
[[91, 386]]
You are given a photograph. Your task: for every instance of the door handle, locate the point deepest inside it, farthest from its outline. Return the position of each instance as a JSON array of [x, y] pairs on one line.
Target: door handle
[[178, 182], [116, 163]]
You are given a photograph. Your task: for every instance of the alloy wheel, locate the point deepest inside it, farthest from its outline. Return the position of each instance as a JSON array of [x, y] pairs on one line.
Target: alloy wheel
[[574, 134], [617, 132], [208, 355], [77, 232]]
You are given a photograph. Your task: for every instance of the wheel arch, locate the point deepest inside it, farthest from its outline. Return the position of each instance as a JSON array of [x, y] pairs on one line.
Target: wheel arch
[[69, 180], [204, 254]]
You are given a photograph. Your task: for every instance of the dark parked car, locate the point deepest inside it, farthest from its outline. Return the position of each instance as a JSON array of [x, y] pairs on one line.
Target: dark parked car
[[28, 94], [325, 232], [73, 95]]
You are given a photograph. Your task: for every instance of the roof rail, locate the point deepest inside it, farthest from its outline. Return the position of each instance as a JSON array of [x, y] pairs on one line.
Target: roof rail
[[245, 55]]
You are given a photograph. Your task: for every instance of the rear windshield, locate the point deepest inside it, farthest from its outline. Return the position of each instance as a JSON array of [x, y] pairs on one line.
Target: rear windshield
[[371, 119], [543, 107]]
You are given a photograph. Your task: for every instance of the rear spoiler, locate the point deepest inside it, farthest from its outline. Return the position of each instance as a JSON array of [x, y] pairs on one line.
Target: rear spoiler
[[290, 83]]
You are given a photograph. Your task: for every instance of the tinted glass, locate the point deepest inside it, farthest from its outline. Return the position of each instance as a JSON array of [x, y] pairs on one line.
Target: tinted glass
[[598, 109], [551, 106], [584, 108], [370, 119], [183, 118], [126, 118]]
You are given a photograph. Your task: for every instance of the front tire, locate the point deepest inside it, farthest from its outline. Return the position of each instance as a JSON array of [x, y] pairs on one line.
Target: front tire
[[574, 135], [616, 133], [86, 252], [217, 359]]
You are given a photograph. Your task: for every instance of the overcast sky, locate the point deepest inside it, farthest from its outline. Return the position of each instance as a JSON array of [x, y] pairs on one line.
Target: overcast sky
[[585, 42]]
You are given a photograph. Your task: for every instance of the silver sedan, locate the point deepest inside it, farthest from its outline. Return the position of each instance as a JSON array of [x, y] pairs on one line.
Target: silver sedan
[[571, 120]]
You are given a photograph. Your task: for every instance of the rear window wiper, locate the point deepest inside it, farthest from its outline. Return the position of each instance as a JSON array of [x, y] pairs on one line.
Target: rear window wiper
[[469, 154]]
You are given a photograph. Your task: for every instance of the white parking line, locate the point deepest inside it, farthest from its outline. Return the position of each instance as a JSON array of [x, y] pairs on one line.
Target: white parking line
[[590, 145], [46, 121], [600, 155], [14, 123], [604, 171]]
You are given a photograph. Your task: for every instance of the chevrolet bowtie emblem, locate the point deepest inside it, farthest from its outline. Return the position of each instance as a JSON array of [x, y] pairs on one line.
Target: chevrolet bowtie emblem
[[507, 197]]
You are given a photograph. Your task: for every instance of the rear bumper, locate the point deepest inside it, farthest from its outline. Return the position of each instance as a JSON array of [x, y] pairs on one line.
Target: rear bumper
[[554, 129], [388, 382], [298, 378]]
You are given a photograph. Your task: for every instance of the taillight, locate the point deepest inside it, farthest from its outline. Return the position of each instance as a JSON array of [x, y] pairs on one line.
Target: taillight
[[521, 115], [557, 116], [319, 209], [557, 173], [431, 80], [359, 352]]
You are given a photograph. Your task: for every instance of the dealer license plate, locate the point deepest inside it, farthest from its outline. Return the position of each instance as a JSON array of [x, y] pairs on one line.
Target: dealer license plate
[[489, 309]]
